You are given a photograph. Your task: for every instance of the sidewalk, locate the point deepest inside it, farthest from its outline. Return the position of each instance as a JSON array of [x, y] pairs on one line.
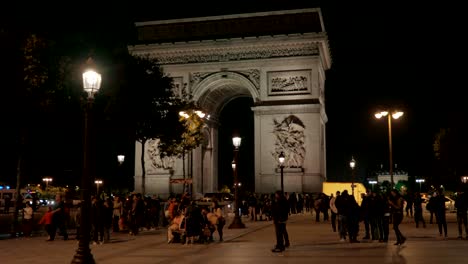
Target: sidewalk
[[309, 240], [147, 244]]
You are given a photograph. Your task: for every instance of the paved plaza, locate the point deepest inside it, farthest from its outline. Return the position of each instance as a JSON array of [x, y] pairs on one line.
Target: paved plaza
[[311, 242]]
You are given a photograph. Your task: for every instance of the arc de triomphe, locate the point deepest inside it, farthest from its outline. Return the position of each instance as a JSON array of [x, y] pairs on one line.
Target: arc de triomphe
[[278, 59]]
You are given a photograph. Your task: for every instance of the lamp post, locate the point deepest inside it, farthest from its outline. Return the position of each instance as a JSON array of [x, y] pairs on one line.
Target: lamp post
[[420, 181], [97, 182], [464, 179], [372, 183], [394, 115], [281, 161], [352, 164], [91, 84], [47, 180], [237, 221], [121, 159]]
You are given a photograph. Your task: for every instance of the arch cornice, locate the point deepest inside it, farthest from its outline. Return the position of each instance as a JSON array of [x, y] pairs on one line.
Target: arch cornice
[[238, 49]]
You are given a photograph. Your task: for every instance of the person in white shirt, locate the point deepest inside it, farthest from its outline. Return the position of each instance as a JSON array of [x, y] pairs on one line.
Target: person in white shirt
[[334, 211], [27, 220]]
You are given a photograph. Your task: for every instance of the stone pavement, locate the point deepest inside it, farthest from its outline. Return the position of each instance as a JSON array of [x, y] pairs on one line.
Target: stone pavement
[[310, 242], [148, 244]]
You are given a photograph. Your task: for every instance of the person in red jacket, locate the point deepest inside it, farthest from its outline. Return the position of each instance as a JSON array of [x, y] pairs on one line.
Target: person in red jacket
[[47, 221]]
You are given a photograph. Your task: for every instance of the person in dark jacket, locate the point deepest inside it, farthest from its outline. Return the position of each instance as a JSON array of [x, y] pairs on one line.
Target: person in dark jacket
[[280, 212], [418, 214], [97, 220], [439, 209]]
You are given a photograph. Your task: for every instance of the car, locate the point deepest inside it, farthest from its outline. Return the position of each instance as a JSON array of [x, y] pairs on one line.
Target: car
[[220, 197], [449, 204], [225, 200]]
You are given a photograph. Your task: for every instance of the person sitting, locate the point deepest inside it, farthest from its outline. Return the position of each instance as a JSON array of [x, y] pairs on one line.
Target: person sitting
[[209, 223], [175, 226]]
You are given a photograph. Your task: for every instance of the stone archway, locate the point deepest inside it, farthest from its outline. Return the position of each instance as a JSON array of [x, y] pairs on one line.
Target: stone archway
[[212, 92], [281, 68]]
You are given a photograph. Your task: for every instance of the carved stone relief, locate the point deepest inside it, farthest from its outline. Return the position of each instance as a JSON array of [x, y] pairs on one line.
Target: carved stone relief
[[289, 82], [252, 74], [155, 159], [290, 139], [236, 54]]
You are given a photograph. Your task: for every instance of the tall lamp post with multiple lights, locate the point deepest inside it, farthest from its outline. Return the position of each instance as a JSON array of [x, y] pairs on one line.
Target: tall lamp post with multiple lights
[[237, 222], [420, 181], [121, 159], [464, 179], [352, 164], [281, 162], [394, 115], [91, 85], [372, 183], [47, 180], [98, 183]]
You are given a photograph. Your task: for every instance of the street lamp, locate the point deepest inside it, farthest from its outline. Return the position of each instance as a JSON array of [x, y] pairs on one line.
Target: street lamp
[[464, 179], [97, 182], [372, 183], [121, 159], [47, 180], [352, 164], [394, 115], [420, 181], [237, 222], [281, 161], [91, 85]]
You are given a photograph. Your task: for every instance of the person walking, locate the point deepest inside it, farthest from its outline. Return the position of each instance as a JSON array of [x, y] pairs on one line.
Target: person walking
[[396, 203], [221, 220], [59, 218], [418, 214], [342, 203], [439, 209], [430, 206], [365, 214], [280, 211], [117, 213], [334, 210], [461, 203], [47, 221]]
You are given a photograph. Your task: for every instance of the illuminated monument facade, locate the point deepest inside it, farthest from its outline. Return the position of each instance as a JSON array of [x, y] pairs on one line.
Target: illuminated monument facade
[[278, 59]]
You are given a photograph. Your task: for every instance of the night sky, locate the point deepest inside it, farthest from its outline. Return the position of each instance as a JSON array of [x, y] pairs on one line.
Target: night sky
[[385, 53]]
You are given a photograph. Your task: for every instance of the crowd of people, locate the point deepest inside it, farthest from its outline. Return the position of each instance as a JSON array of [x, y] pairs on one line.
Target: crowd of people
[[188, 222], [377, 211]]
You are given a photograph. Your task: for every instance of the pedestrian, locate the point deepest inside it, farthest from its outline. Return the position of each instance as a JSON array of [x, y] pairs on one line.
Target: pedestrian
[[418, 214], [280, 212], [334, 210], [221, 220], [396, 203], [47, 221], [97, 220], [27, 220], [117, 213], [342, 204], [6, 208], [430, 206], [365, 214], [58, 220], [409, 205], [439, 209], [461, 203]]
